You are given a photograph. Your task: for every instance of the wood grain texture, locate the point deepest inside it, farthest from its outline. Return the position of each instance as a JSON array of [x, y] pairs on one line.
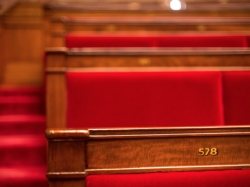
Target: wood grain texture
[[134, 153], [66, 156]]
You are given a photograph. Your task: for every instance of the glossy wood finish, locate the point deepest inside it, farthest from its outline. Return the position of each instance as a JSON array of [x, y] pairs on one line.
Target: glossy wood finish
[[143, 150], [151, 57], [58, 27], [61, 60]]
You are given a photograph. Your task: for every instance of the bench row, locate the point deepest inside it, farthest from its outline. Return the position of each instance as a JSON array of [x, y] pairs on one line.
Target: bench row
[[145, 99]]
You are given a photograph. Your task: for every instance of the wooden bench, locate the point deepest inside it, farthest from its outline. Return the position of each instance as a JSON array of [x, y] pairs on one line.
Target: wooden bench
[[59, 27], [91, 157]]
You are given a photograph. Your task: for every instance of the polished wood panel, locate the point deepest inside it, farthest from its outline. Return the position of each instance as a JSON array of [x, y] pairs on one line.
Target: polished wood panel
[[144, 150]]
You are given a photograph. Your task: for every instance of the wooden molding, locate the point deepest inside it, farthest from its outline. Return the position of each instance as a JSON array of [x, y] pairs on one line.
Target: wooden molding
[[155, 20], [146, 7], [149, 51]]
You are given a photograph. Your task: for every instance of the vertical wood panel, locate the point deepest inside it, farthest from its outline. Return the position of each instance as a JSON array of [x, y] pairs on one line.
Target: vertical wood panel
[[67, 183], [56, 93], [66, 156]]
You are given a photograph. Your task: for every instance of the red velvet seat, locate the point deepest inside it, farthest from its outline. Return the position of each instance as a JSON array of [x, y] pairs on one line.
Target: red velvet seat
[[230, 178], [236, 88], [78, 41], [144, 99]]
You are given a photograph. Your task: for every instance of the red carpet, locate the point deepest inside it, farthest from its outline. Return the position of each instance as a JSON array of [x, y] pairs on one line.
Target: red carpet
[[23, 143]]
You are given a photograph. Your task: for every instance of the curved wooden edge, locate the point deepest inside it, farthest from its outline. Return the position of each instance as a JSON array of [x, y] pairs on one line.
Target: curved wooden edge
[[68, 175], [166, 169], [172, 128], [154, 20], [138, 133], [144, 69], [67, 134], [65, 175], [148, 51], [145, 7], [175, 135]]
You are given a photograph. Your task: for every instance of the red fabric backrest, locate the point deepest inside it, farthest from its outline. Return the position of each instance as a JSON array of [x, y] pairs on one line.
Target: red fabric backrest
[[248, 41], [75, 41], [236, 88], [144, 99], [203, 41], [230, 178], [78, 41]]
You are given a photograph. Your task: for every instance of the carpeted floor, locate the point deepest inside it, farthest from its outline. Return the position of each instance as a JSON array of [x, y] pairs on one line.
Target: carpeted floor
[[22, 133]]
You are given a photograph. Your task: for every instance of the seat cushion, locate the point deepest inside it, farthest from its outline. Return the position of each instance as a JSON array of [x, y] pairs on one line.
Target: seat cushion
[[232, 178], [144, 99], [78, 41], [236, 88]]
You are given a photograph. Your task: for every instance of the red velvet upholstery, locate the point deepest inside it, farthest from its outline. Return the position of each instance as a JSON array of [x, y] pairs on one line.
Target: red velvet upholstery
[[203, 41], [236, 88], [144, 99], [109, 41], [230, 178], [78, 41], [248, 41]]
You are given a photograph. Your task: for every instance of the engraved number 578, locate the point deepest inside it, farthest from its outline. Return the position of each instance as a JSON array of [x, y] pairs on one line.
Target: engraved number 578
[[206, 151]]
